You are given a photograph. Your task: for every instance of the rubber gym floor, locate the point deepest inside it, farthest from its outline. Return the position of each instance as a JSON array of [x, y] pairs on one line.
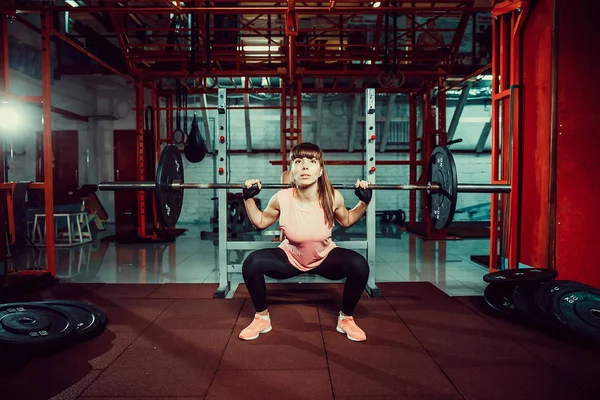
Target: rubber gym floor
[[174, 341]]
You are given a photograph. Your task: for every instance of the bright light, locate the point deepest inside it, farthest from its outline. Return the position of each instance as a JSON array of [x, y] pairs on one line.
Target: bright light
[[377, 4], [484, 77], [9, 119], [72, 3], [257, 48]]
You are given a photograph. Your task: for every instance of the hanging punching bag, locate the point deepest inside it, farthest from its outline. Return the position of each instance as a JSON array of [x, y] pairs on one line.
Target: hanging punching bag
[[195, 149]]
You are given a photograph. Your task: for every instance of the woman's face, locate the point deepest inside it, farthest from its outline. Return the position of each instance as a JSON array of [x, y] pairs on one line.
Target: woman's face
[[306, 171]]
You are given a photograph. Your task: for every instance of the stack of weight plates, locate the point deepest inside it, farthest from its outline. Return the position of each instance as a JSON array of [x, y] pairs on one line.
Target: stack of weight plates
[[534, 296], [39, 327]]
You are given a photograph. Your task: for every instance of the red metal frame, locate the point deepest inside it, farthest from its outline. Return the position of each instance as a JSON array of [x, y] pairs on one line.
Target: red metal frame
[[295, 54], [412, 150], [326, 51], [507, 24], [46, 28]]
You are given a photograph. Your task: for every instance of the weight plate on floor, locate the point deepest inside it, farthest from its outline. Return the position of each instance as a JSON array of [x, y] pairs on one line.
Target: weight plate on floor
[[90, 320], [579, 311], [442, 204], [35, 326], [523, 297], [546, 291], [169, 202], [522, 275], [499, 298]]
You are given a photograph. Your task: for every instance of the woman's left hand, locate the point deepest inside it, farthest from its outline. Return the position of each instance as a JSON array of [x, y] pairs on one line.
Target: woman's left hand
[[362, 191]]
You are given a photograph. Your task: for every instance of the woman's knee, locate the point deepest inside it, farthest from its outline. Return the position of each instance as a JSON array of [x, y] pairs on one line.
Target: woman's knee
[[359, 267], [251, 265]]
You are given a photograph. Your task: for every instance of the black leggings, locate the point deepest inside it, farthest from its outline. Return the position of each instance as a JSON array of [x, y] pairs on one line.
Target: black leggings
[[340, 263]]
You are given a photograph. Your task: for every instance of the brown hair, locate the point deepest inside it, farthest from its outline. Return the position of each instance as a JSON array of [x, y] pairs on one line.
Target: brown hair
[[324, 185]]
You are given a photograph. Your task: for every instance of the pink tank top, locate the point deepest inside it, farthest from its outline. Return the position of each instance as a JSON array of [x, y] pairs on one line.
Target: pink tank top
[[307, 238]]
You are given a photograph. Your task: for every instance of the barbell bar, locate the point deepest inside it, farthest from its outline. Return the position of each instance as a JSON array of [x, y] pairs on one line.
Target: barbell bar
[[433, 187], [441, 190]]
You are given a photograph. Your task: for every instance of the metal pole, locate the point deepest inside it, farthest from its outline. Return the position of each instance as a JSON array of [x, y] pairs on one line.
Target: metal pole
[[482, 188], [369, 172], [46, 32], [222, 178], [433, 188]]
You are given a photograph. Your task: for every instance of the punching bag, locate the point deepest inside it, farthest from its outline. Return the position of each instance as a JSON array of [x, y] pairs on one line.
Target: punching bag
[[195, 149]]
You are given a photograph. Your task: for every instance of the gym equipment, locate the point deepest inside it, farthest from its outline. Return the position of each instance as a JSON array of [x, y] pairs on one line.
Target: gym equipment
[[45, 326], [500, 299], [558, 305], [546, 291], [90, 320], [522, 275], [32, 326], [168, 202], [523, 297], [442, 188], [442, 204], [578, 310], [195, 148]]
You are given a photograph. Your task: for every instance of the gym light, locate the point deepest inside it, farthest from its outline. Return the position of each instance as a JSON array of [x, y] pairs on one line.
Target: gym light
[[9, 118]]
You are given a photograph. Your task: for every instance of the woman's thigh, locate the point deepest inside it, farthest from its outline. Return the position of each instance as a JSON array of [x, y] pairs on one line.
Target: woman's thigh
[[273, 263], [340, 263]]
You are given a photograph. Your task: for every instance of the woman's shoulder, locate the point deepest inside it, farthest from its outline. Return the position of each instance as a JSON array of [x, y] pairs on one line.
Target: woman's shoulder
[[337, 196], [285, 193]]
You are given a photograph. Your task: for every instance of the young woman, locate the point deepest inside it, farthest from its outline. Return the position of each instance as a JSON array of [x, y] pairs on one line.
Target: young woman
[[306, 213]]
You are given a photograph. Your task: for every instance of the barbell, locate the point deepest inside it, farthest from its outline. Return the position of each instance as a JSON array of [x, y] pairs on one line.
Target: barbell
[[441, 190]]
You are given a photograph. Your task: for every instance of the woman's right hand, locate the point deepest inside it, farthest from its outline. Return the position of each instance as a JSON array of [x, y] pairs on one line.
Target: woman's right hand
[[251, 188]]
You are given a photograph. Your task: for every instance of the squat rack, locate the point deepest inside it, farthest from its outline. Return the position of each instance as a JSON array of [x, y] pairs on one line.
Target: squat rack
[[225, 245]]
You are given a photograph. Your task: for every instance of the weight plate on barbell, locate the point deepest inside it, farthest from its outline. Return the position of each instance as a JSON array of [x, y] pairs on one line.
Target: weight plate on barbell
[[442, 204], [34, 326], [91, 320], [168, 201]]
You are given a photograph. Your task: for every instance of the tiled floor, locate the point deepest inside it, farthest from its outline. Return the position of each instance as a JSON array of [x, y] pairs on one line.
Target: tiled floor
[[174, 341], [401, 257]]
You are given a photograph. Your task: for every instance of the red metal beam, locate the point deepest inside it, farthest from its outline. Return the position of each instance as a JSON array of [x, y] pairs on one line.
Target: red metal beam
[[121, 38], [93, 57], [246, 10], [365, 71], [140, 157], [467, 78], [46, 28]]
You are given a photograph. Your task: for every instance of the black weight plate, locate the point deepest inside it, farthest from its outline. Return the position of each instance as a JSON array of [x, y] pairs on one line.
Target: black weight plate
[[499, 298], [442, 170], [579, 311], [169, 202], [523, 297], [34, 325], [90, 320], [521, 275], [546, 291]]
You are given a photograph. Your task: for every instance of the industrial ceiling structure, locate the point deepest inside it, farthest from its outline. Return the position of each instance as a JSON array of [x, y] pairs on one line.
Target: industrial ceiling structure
[[336, 46]]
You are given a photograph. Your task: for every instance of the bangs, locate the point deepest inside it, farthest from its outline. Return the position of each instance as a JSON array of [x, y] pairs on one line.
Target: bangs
[[307, 150]]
